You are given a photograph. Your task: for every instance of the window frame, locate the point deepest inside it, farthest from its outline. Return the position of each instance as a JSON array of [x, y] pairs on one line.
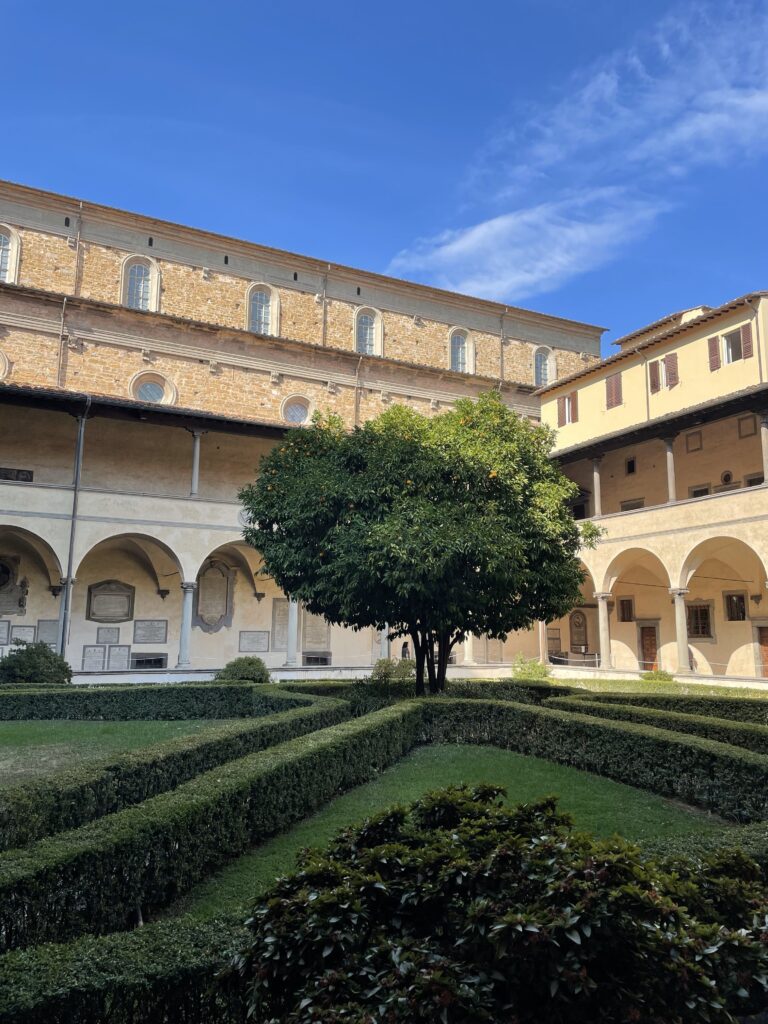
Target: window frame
[[170, 393], [696, 605], [469, 350], [635, 503], [378, 333], [274, 309], [153, 299], [631, 602], [14, 254], [296, 399], [728, 358], [549, 355], [699, 487], [745, 599]]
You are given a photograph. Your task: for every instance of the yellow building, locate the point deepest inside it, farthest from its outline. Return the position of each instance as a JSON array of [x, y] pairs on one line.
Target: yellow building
[[668, 442], [145, 367]]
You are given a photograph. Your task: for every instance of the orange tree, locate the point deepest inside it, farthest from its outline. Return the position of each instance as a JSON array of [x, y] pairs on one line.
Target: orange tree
[[433, 528]]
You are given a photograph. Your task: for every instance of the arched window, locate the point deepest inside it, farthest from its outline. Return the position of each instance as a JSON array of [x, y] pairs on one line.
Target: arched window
[[9, 254], [263, 306], [368, 332], [140, 284], [459, 361], [543, 368]]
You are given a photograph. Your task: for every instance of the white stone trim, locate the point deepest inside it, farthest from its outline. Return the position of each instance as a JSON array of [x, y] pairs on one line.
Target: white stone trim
[[5, 365], [378, 329], [171, 393], [274, 307], [14, 253], [154, 280], [297, 398], [551, 365], [471, 354]]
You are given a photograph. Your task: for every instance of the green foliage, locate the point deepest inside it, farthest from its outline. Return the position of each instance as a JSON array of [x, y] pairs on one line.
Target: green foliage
[[529, 668], [392, 670], [86, 792], [459, 910], [658, 675], [739, 734], [434, 528], [248, 669], [34, 664], [725, 779], [724, 705], [96, 877], [167, 701]]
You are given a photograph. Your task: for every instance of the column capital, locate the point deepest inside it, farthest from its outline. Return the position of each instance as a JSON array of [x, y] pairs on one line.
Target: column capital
[[186, 585], [196, 431], [602, 595], [597, 459], [679, 591]]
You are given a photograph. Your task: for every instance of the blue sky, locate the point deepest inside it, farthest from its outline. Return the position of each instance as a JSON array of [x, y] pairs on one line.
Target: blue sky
[[597, 159]]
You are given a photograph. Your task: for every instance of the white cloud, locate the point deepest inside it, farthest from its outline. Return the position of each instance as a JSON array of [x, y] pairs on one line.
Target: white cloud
[[566, 186]]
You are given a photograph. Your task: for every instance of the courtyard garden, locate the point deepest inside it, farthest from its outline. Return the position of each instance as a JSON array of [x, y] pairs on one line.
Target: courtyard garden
[[141, 825]]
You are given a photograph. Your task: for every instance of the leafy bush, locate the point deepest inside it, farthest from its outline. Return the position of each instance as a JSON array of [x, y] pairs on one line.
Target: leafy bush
[[34, 664], [246, 669], [141, 701], [86, 792], [658, 675], [462, 911], [392, 670], [96, 877], [727, 705], [529, 668]]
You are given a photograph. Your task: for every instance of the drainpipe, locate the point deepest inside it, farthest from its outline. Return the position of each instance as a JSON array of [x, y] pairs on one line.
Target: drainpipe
[[67, 596], [357, 391], [323, 336], [78, 251], [60, 369], [501, 349]]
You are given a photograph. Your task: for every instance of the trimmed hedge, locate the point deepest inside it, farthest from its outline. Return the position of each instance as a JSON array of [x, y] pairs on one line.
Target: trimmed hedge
[[724, 730], [738, 709], [98, 877], [83, 793], [725, 779], [520, 690], [167, 701]]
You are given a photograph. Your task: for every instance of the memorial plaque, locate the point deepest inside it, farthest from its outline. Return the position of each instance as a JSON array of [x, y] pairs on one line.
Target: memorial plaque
[[48, 631], [5, 631], [212, 596], [93, 657], [280, 624], [150, 631], [316, 633], [110, 601], [26, 633], [119, 657], [254, 641], [108, 635]]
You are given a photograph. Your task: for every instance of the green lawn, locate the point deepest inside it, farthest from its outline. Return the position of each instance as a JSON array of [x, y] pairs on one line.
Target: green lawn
[[33, 749], [597, 804]]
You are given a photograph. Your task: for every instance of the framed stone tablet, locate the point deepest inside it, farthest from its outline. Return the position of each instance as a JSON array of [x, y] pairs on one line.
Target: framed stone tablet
[[26, 633], [254, 641], [279, 623], [110, 601], [5, 632], [214, 597], [150, 631], [119, 657], [108, 635], [93, 657], [48, 631], [316, 632]]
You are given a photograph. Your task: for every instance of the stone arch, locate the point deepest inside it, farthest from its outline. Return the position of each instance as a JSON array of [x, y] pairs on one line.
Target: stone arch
[[39, 549], [744, 562], [159, 561], [631, 558]]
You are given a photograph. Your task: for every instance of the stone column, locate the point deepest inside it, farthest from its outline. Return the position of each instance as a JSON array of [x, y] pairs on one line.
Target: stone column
[[291, 658], [543, 646], [604, 629], [671, 486], [384, 650], [188, 598], [764, 443], [597, 498], [469, 650], [681, 631], [195, 482]]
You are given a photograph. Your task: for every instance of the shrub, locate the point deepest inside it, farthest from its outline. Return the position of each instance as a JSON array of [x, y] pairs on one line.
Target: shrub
[[34, 664], [658, 675], [97, 877], [392, 670], [248, 669], [740, 709], [86, 792], [459, 910], [529, 668]]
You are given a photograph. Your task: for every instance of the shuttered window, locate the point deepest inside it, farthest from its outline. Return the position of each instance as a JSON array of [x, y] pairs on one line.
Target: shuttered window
[[654, 376], [613, 391], [714, 353], [746, 341], [670, 365], [567, 409]]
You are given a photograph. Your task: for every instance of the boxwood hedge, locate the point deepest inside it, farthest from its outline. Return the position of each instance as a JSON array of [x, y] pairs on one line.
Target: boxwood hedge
[[520, 690], [102, 876], [740, 709], [143, 701], [724, 730], [86, 792]]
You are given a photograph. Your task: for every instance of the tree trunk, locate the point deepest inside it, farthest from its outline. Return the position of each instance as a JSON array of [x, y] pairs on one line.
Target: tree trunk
[[431, 667], [419, 652], [444, 647]]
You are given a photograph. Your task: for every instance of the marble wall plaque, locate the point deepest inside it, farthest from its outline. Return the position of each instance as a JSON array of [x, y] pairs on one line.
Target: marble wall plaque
[[119, 657], [108, 635], [316, 633], [48, 631], [254, 641], [150, 631], [110, 601], [5, 631], [280, 624], [93, 657], [26, 633]]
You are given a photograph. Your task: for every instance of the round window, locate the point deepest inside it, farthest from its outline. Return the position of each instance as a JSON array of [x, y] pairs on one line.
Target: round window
[[152, 389], [296, 410]]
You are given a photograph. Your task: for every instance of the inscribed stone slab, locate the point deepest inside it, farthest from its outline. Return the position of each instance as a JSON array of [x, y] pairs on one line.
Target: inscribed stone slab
[[93, 657], [150, 631], [23, 633], [108, 635], [119, 657], [254, 641]]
